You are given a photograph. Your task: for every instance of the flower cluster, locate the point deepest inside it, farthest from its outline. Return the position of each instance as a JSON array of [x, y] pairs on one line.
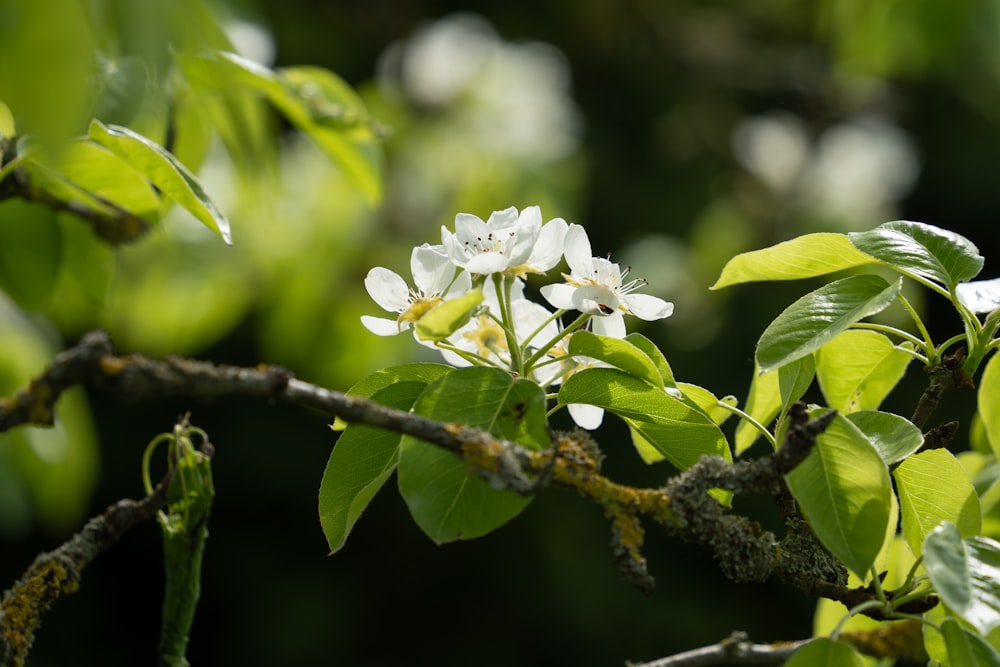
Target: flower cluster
[[500, 326]]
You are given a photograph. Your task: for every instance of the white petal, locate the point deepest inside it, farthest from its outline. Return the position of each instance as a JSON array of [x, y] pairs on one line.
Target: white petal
[[595, 300], [487, 262], [462, 284], [380, 326], [612, 325], [606, 272], [527, 230], [559, 295], [586, 416], [549, 247], [469, 227], [502, 219], [979, 296], [388, 289], [648, 307], [432, 269], [578, 253], [452, 246]]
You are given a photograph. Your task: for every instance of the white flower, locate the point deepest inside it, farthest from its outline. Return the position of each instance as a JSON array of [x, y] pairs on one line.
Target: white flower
[[434, 277], [509, 242], [595, 287]]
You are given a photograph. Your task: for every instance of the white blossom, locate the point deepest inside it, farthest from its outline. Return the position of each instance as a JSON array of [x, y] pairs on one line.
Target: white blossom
[[508, 242], [434, 278], [596, 287]]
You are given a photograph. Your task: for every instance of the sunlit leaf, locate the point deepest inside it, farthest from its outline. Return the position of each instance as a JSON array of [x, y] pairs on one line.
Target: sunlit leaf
[[988, 399], [815, 319], [892, 436], [925, 250], [618, 353], [932, 488], [967, 649], [448, 317], [823, 652], [380, 379], [802, 257], [680, 432], [763, 404], [165, 172], [965, 574], [843, 489], [447, 502], [655, 355], [858, 368]]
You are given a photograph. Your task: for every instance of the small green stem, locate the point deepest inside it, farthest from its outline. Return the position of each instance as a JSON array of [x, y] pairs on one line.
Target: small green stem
[[503, 285], [932, 357], [540, 352], [753, 422], [920, 344]]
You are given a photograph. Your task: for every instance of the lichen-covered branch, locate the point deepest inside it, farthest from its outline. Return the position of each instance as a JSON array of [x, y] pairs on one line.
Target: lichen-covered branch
[[57, 572]]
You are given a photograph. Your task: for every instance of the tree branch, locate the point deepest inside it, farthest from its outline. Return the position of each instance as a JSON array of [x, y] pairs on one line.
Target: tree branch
[[57, 572]]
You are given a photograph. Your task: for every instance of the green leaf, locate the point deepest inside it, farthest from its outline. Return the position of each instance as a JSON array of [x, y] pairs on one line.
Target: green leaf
[[892, 436], [364, 456], [315, 100], [858, 368], [655, 355], [420, 372], [965, 574], [823, 652], [932, 488], [445, 500], [707, 402], [794, 380], [921, 249], [682, 433], [448, 317], [162, 169], [966, 649], [815, 319], [763, 404], [30, 250], [618, 353], [988, 400], [844, 491], [803, 257]]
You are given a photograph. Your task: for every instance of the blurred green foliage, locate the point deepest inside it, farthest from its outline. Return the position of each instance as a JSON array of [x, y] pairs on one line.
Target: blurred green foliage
[[679, 133]]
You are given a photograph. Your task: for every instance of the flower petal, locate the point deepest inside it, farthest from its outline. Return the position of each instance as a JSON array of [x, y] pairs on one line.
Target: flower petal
[[461, 285], [500, 219], [586, 416], [432, 269], [595, 300], [381, 326], [612, 325], [578, 253], [559, 295], [549, 246], [648, 307], [387, 289], [486, 263]]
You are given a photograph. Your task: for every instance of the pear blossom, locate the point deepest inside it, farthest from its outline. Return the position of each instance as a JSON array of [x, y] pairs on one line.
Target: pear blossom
[[508, 242], [596, 287], [435, 280]]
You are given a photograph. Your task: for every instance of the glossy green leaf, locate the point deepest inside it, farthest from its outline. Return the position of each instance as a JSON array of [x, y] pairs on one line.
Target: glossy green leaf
[[988, 399], [655, 355], [892, 436], [843, 490], [164, 170], [921, 249], [448, 317], [445, 500], [364, 457], [794, 380], [823, 652], [695, 396], [858, 368], [815, 319], [618, 353], [932, 488], [380, 379], [965, 574], [802, 257], [680, 432], [967, 649]]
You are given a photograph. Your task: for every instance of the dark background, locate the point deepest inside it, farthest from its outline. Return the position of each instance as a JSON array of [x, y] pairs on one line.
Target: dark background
[[661, 87]]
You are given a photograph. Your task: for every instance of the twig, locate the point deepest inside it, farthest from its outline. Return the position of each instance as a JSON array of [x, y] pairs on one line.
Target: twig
[[57, 572], [733, 650]]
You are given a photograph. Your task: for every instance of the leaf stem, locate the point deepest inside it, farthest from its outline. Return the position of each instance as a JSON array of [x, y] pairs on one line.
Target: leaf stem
[[753, 422]]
